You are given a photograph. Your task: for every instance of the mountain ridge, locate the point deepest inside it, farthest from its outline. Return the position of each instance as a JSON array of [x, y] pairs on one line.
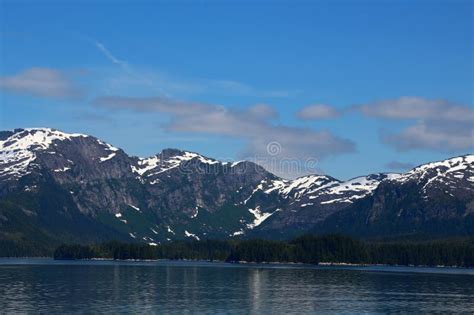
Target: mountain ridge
[[48, 176]]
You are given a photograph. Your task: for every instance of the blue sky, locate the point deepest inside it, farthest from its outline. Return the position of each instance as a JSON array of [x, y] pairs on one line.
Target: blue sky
[[358, 86]]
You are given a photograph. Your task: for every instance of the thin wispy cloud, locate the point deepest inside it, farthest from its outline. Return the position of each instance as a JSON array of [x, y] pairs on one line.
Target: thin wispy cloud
[[154, 104], [169, 86], [399, 166], [239, 88], [110, 56], [128, 76]]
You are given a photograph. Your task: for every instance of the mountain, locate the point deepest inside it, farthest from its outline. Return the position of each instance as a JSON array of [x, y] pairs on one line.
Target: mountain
[[57, 187], [432, 199]]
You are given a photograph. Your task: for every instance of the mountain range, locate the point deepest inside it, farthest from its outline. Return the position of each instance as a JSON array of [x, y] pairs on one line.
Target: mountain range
[[58, 187]]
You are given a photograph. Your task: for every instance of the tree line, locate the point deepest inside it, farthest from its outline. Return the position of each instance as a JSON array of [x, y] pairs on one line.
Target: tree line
[[308, 249]]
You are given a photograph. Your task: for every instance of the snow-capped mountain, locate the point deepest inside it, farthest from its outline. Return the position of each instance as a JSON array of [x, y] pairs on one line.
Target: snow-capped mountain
[[18, 148], [56, 186], [444, 175], [432, 199]]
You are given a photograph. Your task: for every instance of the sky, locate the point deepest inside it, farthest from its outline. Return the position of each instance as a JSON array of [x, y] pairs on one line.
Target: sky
[[344, 88]]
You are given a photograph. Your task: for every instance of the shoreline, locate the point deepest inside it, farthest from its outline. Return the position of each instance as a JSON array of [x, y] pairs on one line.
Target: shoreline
[[263, 263]]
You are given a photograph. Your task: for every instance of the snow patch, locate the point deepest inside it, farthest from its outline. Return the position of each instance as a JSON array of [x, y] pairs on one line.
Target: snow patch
[[260, 217], [237, 233], [64, 169], [195, 214], [188, 234], [234, 164], [134, 207], [108, 147], [29, 188], [336, 200], [144, 165], [108, 157]]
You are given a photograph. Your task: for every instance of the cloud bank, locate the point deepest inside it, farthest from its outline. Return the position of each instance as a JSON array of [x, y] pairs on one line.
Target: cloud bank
[[254, 124], [437, 125]]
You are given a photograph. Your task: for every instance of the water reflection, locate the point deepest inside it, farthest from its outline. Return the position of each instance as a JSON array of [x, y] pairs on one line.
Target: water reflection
[[191, 288]]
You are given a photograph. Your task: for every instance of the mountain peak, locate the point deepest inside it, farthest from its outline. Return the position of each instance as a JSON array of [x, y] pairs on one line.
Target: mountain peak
[[441, 172], [18, 147], [168, 159], [36, 136]]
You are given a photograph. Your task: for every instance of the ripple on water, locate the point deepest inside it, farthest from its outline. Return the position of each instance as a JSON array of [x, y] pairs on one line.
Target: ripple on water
[[177, 287]]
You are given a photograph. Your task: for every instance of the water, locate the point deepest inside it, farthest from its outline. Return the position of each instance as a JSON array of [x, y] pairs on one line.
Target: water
[[47, 286]]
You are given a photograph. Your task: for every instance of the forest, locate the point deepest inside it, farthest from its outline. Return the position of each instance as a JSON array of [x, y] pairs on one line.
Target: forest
[[308, 249]]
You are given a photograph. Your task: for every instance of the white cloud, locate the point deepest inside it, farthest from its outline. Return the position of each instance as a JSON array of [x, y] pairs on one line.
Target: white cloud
[[410, 107], [254, 125], [318, 111], [42, 82], [429, 135], [437, 125]]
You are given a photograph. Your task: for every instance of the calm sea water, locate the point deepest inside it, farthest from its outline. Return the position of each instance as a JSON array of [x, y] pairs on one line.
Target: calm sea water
[[47, 286]]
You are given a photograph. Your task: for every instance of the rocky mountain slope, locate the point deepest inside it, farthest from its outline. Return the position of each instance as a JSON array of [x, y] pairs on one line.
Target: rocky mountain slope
[[57, 187], [432, 199]]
